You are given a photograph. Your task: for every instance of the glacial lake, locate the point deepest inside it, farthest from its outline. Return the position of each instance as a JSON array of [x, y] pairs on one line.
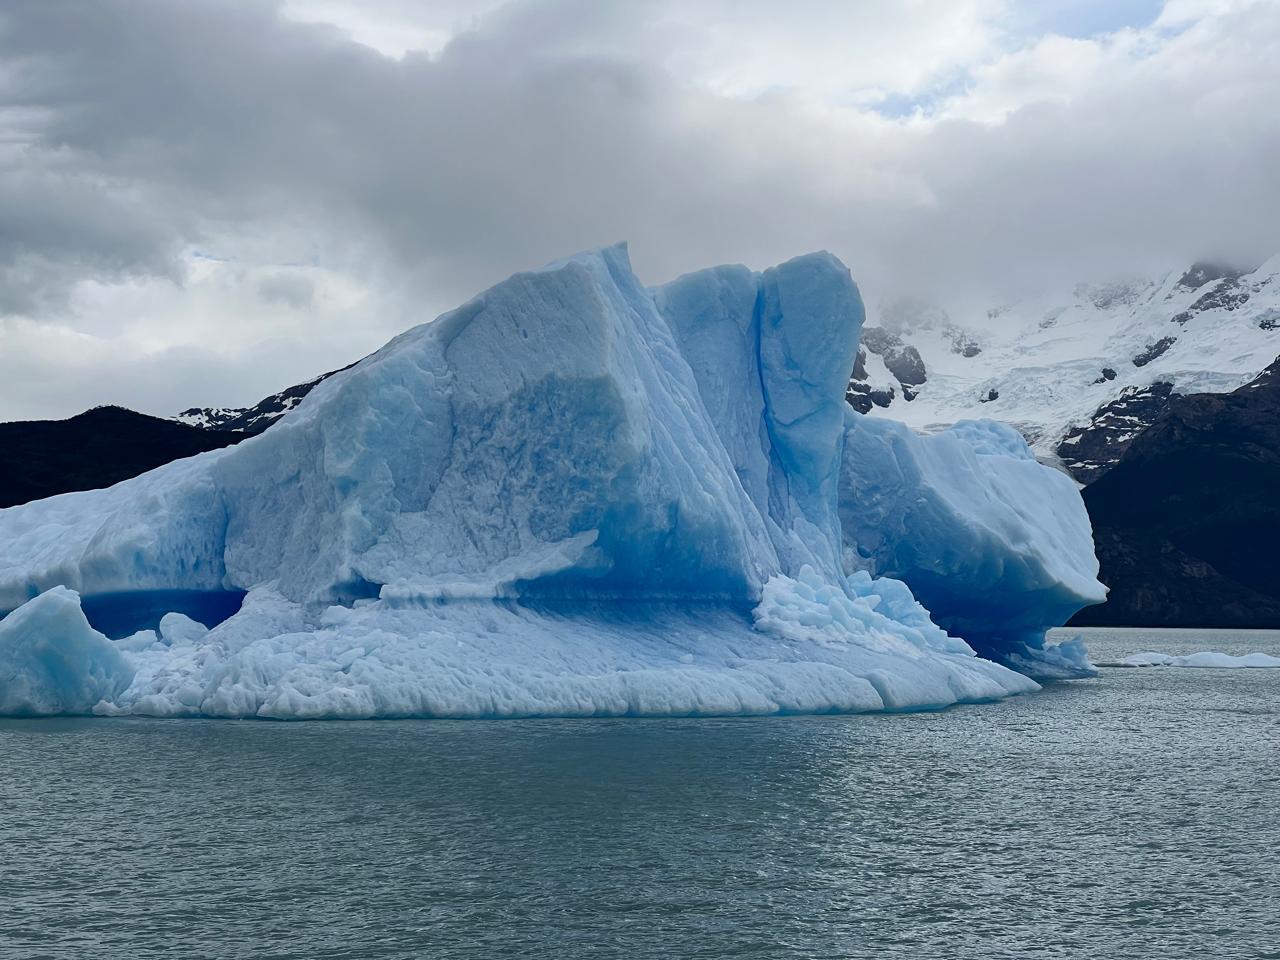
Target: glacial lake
[[1132, 816]]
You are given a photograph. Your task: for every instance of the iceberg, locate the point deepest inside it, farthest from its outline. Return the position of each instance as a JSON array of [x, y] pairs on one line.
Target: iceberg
[[989, 540], [571, 496], [53, 661]]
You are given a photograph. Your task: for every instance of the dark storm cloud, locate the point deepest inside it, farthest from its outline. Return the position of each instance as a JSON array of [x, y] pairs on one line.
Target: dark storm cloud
[[496, 156], [60, 221]]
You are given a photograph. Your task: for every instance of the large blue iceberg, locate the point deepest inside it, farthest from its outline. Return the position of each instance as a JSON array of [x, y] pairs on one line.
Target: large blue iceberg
[[571, 496]]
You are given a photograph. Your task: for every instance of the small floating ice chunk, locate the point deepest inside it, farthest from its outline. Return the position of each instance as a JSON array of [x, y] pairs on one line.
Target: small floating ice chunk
[[178, 628]]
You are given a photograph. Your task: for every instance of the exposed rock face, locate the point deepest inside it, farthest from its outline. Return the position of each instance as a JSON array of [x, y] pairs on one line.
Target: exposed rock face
[[97, 448], [964, 344], [885, 365], [1227, 294], [1204, 272], [1157, 349], [1090, 451], [1186, 523], [860, 394], [902, 359]]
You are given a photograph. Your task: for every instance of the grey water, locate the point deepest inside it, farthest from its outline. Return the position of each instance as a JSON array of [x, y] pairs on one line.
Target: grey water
[[1134, 815]]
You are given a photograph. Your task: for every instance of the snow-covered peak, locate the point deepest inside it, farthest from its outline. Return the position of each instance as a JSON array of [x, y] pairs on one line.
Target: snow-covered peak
[[209, 418], [252, 419], [1050, 364]]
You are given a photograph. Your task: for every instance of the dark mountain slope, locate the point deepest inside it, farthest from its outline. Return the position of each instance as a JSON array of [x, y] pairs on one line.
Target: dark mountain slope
[[40, 458], [1187, 523]]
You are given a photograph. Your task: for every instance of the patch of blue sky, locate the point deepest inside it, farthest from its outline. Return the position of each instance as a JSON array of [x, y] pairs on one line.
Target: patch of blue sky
[[1024, 24], [1079, 19], [904, 105]]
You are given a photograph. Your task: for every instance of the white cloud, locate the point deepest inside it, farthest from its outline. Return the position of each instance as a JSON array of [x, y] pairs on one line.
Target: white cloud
[[394, 27], [228, 334], [832, 52]]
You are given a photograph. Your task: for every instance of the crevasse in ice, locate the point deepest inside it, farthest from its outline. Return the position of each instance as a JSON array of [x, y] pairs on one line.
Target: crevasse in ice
[[570, 496]]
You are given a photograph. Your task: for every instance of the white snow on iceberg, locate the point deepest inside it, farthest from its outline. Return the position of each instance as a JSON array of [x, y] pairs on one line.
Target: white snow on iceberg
[[570, 496]]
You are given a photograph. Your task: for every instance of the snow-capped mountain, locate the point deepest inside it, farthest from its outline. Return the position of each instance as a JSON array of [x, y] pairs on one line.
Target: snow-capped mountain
[[253, 419], [1080, 374]]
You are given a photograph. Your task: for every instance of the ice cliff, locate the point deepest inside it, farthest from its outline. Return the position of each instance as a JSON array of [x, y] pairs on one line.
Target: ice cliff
[[570, 496]]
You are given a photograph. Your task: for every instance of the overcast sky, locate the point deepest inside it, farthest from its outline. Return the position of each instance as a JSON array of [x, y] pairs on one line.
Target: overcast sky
[[203, 201]]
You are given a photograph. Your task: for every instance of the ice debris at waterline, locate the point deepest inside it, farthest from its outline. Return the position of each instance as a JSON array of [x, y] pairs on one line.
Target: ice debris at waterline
[[571, 496], [1205, 659]]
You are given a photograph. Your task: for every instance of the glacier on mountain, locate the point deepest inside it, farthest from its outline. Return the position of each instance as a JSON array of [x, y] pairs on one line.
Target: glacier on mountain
[[1052, 364], [571, 496]]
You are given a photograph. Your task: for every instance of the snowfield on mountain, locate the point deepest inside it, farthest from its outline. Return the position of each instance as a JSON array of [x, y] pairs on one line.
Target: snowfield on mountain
[[1078, 373]]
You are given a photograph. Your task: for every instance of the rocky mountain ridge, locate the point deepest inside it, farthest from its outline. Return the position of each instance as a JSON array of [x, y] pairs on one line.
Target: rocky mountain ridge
[[254, 419]]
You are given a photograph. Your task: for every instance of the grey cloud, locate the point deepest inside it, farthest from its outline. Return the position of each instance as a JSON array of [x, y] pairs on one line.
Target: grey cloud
[[59, 224], [548, 129], [292, 289]]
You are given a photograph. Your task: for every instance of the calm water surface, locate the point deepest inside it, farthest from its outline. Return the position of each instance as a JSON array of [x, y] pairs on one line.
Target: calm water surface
[[1133, 816]]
